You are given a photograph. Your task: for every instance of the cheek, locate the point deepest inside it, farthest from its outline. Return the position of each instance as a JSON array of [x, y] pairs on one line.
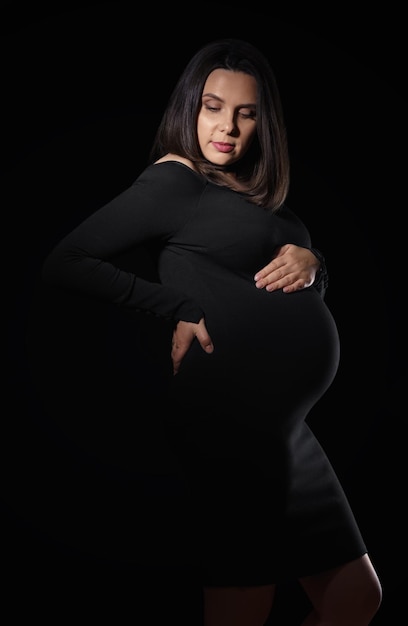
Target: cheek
[[247, 137], [204, 129]]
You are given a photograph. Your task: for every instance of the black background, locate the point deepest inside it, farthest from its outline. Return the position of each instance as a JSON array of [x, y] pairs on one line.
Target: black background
[[83, 89]]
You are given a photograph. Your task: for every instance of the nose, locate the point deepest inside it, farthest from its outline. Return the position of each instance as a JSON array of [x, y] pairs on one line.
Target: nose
[[227, 124]]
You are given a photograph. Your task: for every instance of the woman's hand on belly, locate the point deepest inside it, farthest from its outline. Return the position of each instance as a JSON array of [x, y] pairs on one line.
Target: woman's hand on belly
[[292, 268], [183, 336]]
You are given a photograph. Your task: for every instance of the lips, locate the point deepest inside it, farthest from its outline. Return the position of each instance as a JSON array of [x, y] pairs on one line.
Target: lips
[[222, 147]]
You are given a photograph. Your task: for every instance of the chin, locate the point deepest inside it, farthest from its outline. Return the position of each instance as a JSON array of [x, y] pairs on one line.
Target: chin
[[220, 160]]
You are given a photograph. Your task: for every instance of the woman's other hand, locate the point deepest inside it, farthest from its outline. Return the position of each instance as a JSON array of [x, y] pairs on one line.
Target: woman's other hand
[[183, 336], [292, 268]]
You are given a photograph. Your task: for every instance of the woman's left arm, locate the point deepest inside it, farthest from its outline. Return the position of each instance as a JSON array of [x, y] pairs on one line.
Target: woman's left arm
[[294, 268]]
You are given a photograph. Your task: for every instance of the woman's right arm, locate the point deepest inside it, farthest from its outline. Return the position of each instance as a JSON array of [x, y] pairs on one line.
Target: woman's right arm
[[84, 260]]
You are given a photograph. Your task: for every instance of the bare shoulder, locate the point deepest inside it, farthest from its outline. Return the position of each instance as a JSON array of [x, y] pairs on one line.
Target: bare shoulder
[[178, 158]]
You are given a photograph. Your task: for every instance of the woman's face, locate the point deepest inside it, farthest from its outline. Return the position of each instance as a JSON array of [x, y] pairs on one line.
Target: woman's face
[[226, 122]]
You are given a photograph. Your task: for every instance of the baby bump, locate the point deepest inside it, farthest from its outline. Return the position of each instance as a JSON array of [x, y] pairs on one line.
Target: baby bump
[[266, 343], [297, 330], [274, 356]]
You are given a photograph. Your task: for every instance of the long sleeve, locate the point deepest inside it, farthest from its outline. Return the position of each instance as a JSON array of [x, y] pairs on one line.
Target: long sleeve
[[84, 259]]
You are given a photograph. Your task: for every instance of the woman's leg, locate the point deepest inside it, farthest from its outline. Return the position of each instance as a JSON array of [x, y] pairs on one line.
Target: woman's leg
[[349, 595], [237, 606]]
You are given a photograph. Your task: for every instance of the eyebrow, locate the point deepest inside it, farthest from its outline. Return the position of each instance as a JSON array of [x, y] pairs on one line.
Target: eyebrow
[[243, 105]]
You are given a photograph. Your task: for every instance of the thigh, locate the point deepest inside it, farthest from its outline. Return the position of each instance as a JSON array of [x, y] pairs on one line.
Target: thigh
[[349, 594], [237, 606]]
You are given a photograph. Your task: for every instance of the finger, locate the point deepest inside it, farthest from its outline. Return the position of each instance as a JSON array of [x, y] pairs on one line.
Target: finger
[[282, 283], [271, 267], [178, 352], [270, 274], [205, 342], [289, 286], [277, 268], [276, 260]]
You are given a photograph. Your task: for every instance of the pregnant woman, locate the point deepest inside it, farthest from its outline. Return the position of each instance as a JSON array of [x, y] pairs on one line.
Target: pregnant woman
[[254, 345]]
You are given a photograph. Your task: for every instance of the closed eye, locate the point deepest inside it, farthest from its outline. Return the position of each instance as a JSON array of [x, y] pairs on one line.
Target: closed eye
[[250, 115]]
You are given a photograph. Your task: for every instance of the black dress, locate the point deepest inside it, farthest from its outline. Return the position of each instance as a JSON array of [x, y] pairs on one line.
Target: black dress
[[263, 500]]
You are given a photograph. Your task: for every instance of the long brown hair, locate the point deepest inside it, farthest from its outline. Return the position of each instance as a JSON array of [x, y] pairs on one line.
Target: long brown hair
[[264, 170]]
